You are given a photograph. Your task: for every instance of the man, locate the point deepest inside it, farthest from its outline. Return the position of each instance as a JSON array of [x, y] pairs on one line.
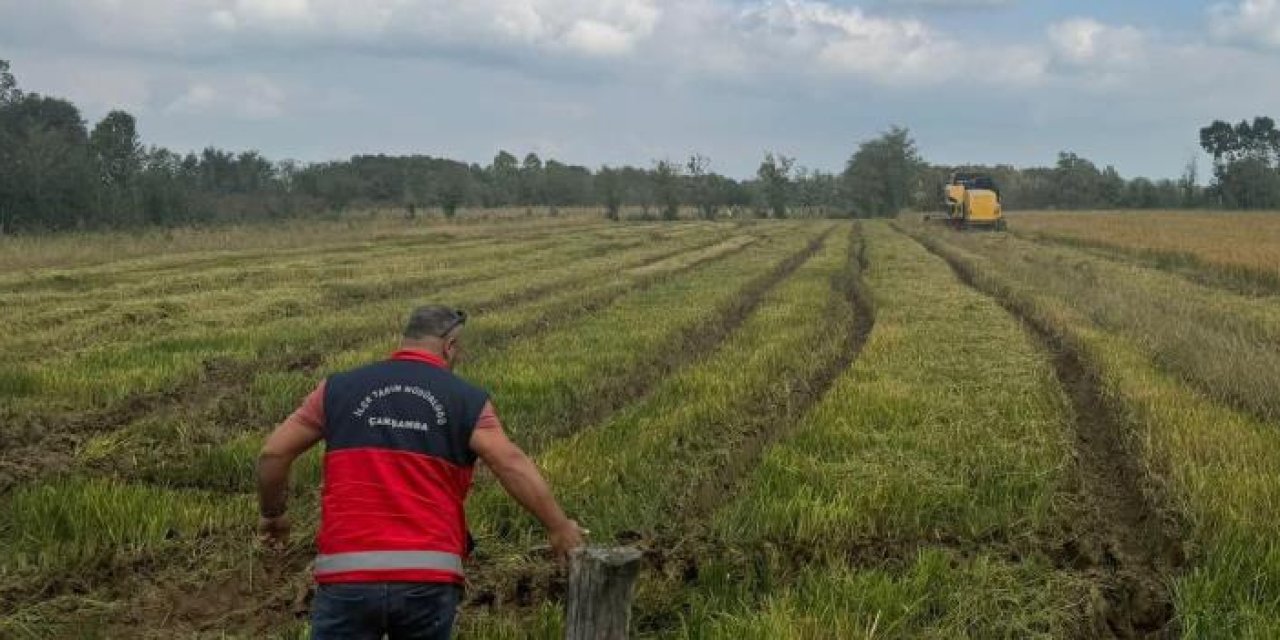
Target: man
[[401, 439]]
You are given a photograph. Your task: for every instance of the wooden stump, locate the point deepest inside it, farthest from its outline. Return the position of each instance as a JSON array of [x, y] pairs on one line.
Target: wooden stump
[[601, 584]]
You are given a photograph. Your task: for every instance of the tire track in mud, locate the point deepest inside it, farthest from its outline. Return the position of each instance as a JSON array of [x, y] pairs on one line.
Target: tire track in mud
[[676, 547], [1124, 543], [683, 548], [689, 346], [725, 481], [283, 588]]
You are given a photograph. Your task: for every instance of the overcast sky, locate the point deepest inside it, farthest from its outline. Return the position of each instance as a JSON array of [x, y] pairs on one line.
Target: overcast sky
[[1124, 82]]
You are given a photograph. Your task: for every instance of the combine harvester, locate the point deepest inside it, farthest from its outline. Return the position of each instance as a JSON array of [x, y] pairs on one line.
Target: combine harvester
[[973, 202]]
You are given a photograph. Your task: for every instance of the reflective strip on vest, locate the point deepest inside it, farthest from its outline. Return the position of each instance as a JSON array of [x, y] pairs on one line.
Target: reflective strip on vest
[[388, 561]]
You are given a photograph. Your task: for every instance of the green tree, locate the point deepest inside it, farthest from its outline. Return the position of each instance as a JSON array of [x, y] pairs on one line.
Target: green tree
[[1244, 162], [776, 185], [504, 177], [704, 187], [532, 181], [1189, 184], [455, 186], [609, 187], [8, 85], [884, 176], [666, 186]]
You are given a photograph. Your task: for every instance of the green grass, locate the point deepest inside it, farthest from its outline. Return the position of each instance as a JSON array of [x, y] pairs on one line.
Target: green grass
[[80, 525], [1212, 465], [943, 449], [1225, 344], [936, 593], [641, 471], [680, 384], [546, 382]]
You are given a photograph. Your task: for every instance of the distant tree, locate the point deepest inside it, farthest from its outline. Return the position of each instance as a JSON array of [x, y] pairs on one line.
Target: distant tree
[[9, 92], [1249, 183], [666, 186], [117, 147], [566, 185], [1219, 140], [455, 185], [46, 169], [776, 186], [884, 176], [704, 188], [504, 176], [1244, 162], [1077, 182], [531, 181], [1189, 184], [609, 186], [118, 152], [1110, 188]]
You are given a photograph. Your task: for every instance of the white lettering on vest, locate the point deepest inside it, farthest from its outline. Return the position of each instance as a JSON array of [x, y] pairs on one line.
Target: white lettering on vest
[[436, 406]]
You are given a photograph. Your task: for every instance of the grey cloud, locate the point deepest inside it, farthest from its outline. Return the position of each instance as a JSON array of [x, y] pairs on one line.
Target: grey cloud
[[1250, 22]]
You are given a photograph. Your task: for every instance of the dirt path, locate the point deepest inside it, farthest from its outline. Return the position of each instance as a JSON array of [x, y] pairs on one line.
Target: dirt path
[[1123, 542]]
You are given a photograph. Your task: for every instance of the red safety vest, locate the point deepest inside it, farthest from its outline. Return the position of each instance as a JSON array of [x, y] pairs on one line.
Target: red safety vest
[[397, 470]]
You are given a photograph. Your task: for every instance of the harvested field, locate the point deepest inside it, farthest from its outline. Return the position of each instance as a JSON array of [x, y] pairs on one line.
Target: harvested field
[[813, 429]]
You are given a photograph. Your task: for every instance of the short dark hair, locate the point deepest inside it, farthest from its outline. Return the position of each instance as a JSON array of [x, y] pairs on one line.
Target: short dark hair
[[433, 321]]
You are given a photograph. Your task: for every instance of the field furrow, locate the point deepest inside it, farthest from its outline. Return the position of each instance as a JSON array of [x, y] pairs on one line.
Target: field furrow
[[232, 396], [646, 474], [1225, 344], [1126, 534], [1211, 466], [925, 496], [715, 290], [217, 457]]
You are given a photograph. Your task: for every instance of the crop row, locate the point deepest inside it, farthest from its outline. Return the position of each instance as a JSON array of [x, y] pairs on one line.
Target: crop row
[[1237, 251], [209, 390], [649, 470], [921, 498], [113, 326], [1212, 465], [570, 372], [665, 315]]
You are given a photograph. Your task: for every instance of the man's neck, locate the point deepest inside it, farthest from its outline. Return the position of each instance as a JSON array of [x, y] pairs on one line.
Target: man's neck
[[430, 346]]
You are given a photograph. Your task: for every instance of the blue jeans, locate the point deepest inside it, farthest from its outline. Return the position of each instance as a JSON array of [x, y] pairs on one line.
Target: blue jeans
[[398, 610]]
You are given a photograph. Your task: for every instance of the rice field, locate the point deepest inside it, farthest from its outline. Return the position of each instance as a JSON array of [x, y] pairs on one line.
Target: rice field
[[1241, 250], [813, 429]]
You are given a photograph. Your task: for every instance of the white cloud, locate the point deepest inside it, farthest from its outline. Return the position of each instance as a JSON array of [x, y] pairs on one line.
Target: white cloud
[[1250, 22], [809, 38], [1087, 43], [756, 41], [578, 27], [249, 97]]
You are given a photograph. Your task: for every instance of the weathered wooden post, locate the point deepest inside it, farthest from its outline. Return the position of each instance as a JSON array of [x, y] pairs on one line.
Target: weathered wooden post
[[601, 584]]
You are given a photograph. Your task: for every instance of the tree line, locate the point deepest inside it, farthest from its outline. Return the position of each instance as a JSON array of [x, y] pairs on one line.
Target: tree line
[[57, 173]]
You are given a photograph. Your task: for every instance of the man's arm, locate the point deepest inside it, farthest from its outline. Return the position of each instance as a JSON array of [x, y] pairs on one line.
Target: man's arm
[[521, 479], [298, 433]]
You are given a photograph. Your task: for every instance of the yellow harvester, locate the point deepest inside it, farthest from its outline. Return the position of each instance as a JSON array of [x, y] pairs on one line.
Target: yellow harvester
[[973, 200]]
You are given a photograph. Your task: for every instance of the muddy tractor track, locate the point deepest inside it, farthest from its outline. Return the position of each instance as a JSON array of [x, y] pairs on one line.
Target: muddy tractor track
[[681, 549], [1124, 542]]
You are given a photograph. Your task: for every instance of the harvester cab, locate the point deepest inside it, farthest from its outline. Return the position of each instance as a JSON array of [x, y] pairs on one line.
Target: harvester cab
[[973, 201]]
